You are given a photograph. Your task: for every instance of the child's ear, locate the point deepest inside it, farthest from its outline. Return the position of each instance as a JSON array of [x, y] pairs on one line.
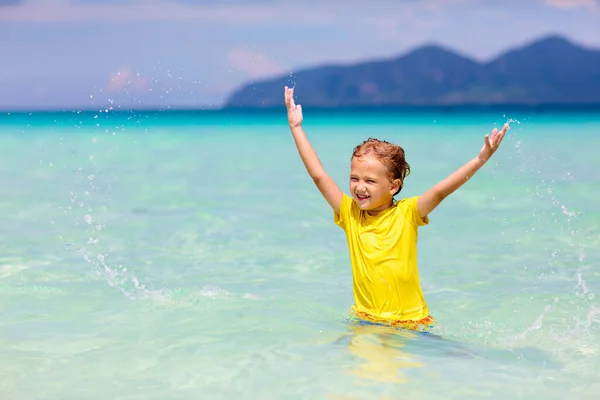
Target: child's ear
[[396, 183]]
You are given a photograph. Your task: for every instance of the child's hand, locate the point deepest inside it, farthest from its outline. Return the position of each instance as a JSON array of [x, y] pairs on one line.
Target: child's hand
[[294, 111], [492, 144]]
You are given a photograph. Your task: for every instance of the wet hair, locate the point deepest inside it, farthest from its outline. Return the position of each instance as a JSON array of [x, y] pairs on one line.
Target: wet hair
[[390, 155]]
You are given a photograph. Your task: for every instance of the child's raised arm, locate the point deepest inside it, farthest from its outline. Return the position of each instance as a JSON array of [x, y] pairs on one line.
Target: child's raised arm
[[326, 185], [434, 196]]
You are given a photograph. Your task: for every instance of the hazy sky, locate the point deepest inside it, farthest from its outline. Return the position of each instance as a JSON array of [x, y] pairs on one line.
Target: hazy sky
[[81, 53]]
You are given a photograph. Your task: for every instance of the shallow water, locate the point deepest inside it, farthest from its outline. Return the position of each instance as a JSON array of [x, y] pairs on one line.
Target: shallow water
[[189, 256]]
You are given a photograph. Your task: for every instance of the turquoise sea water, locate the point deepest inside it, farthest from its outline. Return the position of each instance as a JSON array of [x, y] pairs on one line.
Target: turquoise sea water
[[189, 256]]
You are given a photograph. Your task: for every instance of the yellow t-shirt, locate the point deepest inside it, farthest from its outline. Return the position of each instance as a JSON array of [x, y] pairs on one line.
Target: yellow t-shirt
[[383, 253]]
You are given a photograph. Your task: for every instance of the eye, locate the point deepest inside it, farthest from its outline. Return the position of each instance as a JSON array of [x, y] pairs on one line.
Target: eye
[[353, 179], [370, 181]]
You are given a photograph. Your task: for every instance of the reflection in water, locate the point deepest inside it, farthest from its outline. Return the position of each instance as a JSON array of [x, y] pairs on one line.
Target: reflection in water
[[381, 348]]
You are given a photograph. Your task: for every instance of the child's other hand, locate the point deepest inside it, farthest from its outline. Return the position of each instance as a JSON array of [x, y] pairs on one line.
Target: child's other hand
[[294, 111], [492, 143]]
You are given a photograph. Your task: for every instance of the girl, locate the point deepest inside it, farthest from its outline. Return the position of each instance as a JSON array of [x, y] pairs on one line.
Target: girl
[[382, 233]]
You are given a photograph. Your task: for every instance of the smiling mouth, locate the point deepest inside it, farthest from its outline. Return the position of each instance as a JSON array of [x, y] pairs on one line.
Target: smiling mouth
[[361, 197]]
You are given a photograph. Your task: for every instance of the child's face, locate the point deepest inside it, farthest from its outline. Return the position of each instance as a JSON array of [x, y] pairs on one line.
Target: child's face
[[370, 184]]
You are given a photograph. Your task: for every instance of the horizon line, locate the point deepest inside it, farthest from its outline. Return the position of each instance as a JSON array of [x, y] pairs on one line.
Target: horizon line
[[258, 109]]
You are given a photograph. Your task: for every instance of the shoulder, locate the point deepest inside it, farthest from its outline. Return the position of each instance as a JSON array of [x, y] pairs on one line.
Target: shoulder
[[348, 211], [407, 203], [409, 209], [349, 204]]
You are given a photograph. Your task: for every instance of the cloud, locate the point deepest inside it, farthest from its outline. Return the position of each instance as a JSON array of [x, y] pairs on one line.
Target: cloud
[[285, 12], [220, 2], [125, 78], [154, 10], [253, 63], [592, 5]]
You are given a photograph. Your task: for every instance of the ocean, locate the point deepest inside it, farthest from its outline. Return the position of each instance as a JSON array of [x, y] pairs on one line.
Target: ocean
[[188, 255]]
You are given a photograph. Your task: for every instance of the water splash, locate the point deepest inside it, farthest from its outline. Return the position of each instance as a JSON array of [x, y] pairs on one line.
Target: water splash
[[570, 315], [120, 278], [213, 291], [291, 81], [535, 326]]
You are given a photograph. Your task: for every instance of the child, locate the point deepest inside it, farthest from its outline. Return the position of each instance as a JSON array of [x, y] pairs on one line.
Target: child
[[382, 233]]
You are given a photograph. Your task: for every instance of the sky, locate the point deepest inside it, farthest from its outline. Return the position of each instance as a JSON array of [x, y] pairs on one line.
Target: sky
[[89, 54]]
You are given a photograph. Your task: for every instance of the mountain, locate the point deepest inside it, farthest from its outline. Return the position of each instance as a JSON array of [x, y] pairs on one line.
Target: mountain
[[552, 70]]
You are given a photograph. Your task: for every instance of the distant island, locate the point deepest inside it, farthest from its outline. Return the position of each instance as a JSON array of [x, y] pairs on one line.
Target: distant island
[[552, 70]]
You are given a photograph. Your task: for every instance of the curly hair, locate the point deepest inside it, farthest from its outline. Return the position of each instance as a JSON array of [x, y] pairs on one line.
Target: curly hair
[[390, 155]]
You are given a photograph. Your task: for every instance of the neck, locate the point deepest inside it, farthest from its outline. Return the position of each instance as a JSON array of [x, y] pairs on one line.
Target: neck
[[376, 211]]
